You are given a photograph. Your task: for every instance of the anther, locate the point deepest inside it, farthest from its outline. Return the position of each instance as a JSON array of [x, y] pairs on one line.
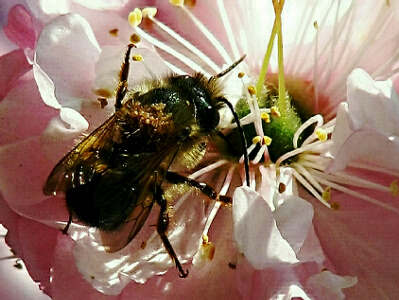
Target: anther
[[135, 17], [267, 140], [150, 12], [177, 2], [321, 134], [265, 117], [275, 112], [137, 57], [326, 195], [252, 90], [256, 139]]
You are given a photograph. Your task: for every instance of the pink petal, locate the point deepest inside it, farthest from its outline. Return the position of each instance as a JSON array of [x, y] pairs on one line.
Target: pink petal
[[360, 240], [23, 114], [12, 66], [24, 170], [23, 236], [19, 28]]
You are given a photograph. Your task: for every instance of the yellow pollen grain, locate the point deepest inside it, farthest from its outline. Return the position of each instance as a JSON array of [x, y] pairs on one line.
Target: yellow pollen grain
[[394, 188], [321, 134], [256, 139], [177, 2], [326, 195], [267, 140], [281, 187], [135, 17], [316, 25], [252, 90], [134, 38], [137, 57], [275, 111], [104, 93], [265, 117], [149, 12], [241, 75], [335, 205], [114, 32]]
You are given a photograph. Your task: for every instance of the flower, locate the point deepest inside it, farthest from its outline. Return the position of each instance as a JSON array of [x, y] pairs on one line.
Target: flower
[[58, 86]]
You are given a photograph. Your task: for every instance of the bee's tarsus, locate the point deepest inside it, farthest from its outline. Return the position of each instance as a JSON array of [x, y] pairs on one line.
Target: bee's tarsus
[[162, 226], [66, 228]]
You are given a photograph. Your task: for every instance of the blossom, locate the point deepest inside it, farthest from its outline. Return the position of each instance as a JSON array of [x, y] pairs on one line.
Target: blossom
[[65, 73]]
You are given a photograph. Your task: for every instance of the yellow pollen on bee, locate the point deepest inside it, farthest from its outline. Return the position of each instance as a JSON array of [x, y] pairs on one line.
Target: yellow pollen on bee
[[321, 134], [241, 75], [265, 117], [177, 2], [326, 195], [135, 17], [134, 38], [394, 188], [275, 111], [137, 57], [256, 139], [267, 140], [149, 12], [252, 90]]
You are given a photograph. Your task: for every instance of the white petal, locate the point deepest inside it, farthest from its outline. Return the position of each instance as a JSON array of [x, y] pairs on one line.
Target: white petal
[[256, 232], [67, 52], [372, 104], [329, 285], [294, 219]]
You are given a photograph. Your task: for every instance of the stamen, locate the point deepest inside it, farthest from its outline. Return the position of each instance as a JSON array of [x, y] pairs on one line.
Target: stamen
[[307, 186], [256, 139], [177, 2], [275, 112], [327, 194], [184, 59], [321, 134], [135, 17], [149, 12], [265, 117], [205, 58], [214, 41], [356, 194], [394, 188], [137, 57], [267, 140], [227, 26]]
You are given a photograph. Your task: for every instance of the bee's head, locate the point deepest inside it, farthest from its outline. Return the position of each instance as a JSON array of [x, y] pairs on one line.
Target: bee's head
[[204, 96]]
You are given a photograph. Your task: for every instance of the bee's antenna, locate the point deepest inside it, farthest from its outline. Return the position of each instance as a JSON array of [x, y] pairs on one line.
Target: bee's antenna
[[123, 74], [242, 137], [228, 69]]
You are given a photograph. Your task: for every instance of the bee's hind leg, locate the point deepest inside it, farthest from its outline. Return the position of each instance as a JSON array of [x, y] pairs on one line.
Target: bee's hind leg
[[162, 226]]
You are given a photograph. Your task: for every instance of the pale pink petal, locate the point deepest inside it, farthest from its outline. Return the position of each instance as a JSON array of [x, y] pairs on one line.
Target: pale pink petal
[[256, 231], [372, 104], [19, 28], [329, 285], [67, 52]]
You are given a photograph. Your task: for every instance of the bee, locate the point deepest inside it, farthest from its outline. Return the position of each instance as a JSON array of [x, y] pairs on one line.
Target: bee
[[114, 176]]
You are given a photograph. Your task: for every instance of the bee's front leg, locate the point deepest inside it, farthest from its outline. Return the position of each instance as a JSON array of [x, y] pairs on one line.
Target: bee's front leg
[[162, 226]]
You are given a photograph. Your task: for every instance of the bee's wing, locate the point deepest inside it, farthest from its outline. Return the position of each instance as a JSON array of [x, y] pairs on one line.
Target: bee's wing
[[68, 173]]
